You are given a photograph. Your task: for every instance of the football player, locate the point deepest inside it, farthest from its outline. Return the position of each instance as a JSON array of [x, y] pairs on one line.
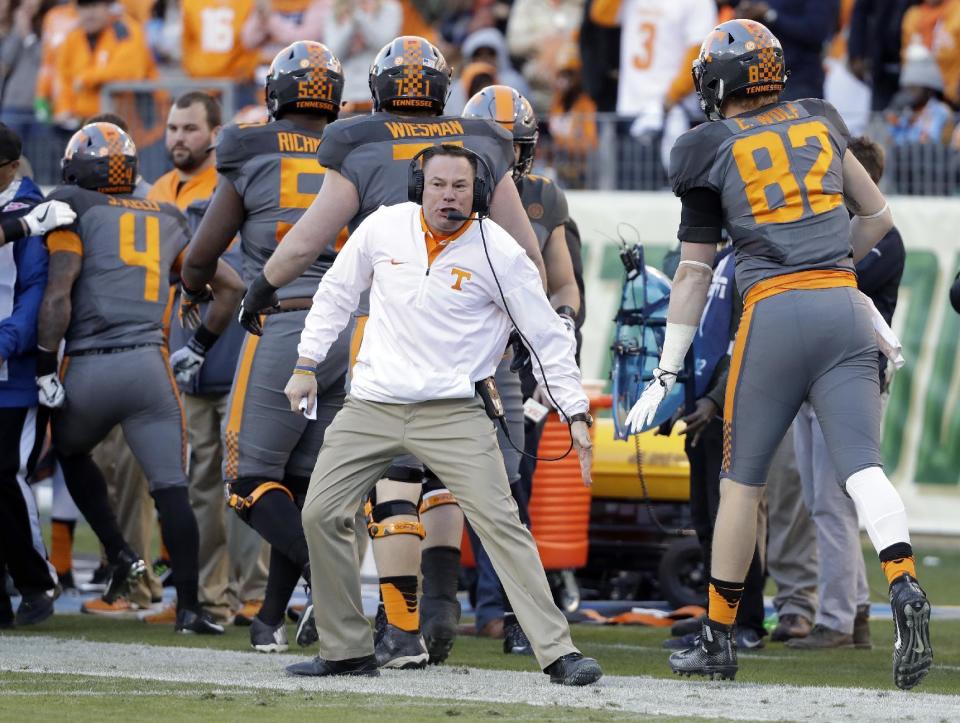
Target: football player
[[368, 162], [779, 177], [106, 295], [546, 208], [268, 175]]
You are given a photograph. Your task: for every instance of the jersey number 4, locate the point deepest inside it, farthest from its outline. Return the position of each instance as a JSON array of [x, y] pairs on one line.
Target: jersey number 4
[[757, 180], [148, 257]]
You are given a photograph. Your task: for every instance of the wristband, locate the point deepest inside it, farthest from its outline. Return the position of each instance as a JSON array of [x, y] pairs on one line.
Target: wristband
[[202, 340], [13, 229], [566, 311], [46, 362], [305, 372], [261, 290], [306, 368]]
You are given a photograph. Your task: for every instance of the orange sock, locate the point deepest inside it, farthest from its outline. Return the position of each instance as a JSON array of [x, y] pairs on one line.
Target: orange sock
[[724, 599], [901, 566], [399, 596], [61, 548]]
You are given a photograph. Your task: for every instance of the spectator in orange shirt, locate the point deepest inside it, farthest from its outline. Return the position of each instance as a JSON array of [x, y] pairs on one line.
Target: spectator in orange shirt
[[572, 123], [103, 48], [213, 42], [936, 25]]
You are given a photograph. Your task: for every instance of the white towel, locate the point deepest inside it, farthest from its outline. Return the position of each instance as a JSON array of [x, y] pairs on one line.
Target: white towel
[[887, 341]]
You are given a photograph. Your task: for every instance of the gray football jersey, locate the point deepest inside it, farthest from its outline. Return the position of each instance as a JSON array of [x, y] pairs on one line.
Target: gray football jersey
[[273, 167], [374, 152], [545, 204], [778, 171], [130, 246]]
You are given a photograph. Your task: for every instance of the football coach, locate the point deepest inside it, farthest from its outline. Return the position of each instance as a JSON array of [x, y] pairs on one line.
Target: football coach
[[445, 289]]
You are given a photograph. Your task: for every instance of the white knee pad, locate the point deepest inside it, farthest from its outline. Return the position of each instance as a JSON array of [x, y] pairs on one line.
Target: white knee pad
[[879, 507]]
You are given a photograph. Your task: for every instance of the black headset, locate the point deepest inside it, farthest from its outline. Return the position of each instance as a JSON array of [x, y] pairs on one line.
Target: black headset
[[481, 186]]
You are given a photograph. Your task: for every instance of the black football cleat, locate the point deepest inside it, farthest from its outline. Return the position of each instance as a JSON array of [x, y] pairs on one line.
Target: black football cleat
[[438, 622], [307, 628], [401, 649], [318, 667], [515, 641], [379, 624], [268, 638], [574, 669], [36, 607], [713, 654], [912, 652], [190, 622], [124, 573]]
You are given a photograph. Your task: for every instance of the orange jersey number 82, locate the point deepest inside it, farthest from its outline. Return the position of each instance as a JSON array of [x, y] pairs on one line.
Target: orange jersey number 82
[[757, 180]]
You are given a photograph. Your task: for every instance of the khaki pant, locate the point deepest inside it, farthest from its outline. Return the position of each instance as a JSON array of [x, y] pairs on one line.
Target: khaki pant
[[133, 506], [456, 440], [233, 557]]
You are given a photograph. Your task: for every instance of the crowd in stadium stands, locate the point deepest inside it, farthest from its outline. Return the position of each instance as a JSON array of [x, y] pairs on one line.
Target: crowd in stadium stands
[[576, 60]]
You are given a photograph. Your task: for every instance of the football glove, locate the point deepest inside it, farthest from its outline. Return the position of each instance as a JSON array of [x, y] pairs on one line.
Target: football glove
[[645, 409], [50, 391], [189, 312], [48, 216], [260, 296], [187, 360]]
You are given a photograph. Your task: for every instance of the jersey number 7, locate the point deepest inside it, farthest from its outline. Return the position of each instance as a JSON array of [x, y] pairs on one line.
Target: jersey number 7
[[757, 180]]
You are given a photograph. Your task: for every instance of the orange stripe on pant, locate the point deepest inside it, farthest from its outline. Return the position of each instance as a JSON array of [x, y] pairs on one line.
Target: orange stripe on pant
[[232, 434], [733, 379], [183, 414]]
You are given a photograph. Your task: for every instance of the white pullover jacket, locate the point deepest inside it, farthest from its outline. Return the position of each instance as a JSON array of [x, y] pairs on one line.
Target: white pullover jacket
[[437, 320]]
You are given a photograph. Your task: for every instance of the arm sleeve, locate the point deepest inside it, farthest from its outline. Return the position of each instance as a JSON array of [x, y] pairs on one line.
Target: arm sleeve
[[337, 296], [18, 332], [701, 216], [546, 335]]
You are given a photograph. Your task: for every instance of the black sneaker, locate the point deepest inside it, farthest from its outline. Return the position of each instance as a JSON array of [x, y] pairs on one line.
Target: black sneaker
[[713, 653], [98, 581], [401, 649], [379, 625], [202, 623], [574, 669], [307, 628], [6, 609], [912, 652], [36, 607], [367, 665], [861, 628], [748, 639], [124, 573], [268, 638], [515, 641], [66, 580], [438, 621]]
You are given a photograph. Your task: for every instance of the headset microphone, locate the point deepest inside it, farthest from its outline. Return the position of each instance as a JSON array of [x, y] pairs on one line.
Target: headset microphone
[[456, 216]]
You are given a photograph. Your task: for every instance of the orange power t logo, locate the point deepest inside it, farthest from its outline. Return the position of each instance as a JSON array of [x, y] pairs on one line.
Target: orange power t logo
[[461, 276]]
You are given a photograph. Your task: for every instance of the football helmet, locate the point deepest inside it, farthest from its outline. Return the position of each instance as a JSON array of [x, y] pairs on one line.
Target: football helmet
[[100, 157], [738, 55], [409, 73], [511, 110], [305, 77]]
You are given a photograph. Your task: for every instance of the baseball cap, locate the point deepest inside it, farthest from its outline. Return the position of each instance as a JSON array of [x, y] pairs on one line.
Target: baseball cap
[[10, 145]]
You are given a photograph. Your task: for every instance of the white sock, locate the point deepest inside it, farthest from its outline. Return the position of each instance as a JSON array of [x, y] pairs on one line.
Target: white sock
[[879, 507]]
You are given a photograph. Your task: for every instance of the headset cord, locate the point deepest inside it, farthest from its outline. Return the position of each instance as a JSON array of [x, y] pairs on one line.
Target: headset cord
[[543, 375], [668, 532]]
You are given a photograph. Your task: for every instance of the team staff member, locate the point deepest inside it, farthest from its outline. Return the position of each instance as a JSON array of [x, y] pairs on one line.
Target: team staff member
[[546, 208], [806, 333], [23, 277], [437, 326], [268, 175], [233, 567], [367, 160], [105, 297]]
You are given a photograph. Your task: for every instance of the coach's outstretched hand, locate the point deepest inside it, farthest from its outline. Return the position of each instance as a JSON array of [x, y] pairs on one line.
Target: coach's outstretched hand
[[584, 446], [645, 409]]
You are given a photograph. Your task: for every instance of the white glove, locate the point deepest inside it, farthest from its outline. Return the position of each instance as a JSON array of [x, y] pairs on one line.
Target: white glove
[[645, 409], [186, 363], [51, 391], [48, 216]]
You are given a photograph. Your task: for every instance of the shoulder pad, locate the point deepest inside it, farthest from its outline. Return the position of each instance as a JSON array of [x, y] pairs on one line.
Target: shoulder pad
[[693, 155], [235, 146], [79, 199], [339, 139], [826, 110]]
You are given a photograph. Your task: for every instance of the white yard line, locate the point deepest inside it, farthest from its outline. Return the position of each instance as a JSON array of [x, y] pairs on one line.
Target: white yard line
[[649, 696]]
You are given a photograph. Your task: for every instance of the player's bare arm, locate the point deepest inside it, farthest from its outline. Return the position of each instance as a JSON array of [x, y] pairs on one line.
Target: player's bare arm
[[335, 204], [228, 289], [219, 225], [55, 309], [507, 210], [561, 281], [871, 214]]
